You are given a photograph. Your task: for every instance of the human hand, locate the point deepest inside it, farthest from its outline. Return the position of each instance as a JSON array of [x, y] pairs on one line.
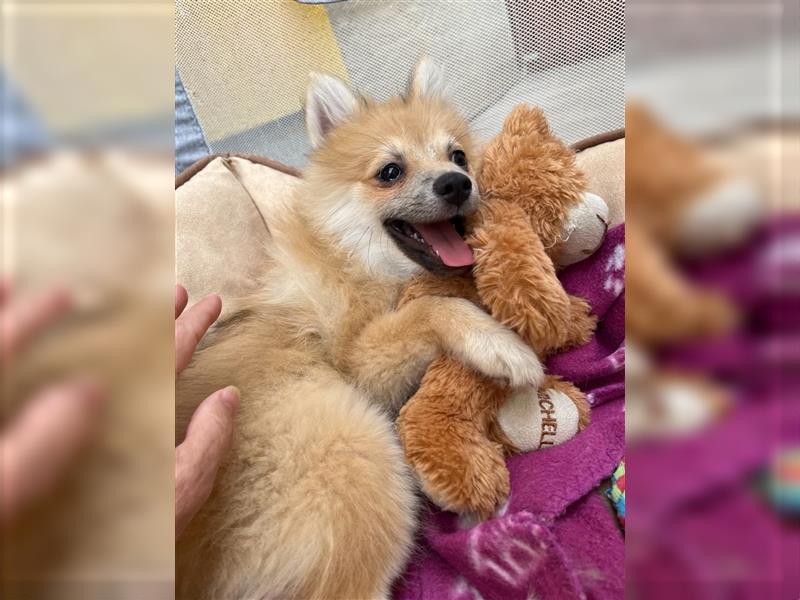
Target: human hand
[[208, 437], [39, 443]]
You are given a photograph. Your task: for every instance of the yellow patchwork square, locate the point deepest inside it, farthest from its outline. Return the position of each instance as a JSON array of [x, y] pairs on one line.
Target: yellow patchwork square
[[244, 64]]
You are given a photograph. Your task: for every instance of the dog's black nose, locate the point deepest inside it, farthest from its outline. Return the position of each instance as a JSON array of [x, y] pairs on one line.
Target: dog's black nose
[[454, 188]]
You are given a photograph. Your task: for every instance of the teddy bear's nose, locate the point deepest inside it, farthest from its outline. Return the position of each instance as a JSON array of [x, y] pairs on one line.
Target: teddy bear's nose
[[454, 188]]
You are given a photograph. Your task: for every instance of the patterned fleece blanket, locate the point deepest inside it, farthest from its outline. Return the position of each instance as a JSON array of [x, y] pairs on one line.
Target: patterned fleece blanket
[[557, 536]]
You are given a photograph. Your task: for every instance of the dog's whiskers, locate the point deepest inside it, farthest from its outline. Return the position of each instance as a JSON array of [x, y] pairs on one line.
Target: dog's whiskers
[[358, 243], [369, 247]]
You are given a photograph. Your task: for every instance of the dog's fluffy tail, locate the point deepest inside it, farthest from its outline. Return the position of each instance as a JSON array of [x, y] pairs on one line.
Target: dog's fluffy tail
[[348, 523]]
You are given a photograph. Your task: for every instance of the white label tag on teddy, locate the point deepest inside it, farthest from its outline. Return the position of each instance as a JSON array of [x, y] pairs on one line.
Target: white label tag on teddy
[[533, 419]]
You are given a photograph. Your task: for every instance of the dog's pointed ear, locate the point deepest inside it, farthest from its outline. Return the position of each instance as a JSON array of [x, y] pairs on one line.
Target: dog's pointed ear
[[427, 80], [329, 102]]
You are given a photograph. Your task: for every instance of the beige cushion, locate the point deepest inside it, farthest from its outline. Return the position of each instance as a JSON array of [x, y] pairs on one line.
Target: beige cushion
[[221, 215], [604, 166], [223, 211]]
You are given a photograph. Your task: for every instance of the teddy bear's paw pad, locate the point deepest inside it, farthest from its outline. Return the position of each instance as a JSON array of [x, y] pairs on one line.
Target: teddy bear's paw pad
[[687, 406], [534, 419]]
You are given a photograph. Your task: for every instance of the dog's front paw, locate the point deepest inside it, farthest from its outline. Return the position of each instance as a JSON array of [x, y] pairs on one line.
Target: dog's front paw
[[501, 354], [486, 346]]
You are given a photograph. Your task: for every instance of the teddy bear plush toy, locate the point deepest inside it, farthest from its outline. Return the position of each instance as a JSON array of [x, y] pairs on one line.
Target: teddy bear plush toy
[[536, 216]]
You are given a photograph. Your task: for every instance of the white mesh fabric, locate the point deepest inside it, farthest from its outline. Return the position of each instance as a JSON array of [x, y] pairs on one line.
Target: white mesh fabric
[[566, 56]]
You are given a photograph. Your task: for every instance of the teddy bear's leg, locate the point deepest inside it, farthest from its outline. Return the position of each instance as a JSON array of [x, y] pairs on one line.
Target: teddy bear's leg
[[443, 429], [532, 419]]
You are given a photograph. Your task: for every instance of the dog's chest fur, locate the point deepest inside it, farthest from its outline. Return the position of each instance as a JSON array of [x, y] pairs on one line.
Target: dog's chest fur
[[316, 297]]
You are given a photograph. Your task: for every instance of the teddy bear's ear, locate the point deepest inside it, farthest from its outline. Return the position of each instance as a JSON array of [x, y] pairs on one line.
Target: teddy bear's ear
[[427, 80], [526, 120], [540, 121]]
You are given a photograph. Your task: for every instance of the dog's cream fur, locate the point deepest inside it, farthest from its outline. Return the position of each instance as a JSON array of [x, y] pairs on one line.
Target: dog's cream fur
[[314, 499]]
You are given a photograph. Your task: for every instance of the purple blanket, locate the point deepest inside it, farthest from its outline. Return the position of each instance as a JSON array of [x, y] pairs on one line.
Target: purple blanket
[[557, 537]]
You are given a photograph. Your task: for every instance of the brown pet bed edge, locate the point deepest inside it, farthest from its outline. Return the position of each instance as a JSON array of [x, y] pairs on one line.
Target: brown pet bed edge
[[199, 165]]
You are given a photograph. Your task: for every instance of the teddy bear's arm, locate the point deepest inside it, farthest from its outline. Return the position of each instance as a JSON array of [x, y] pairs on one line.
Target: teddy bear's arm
[[516, 280], [581, 325], [427, 284]]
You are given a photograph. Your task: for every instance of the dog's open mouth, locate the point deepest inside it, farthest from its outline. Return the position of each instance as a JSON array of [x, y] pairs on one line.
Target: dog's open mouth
[[438, 247]]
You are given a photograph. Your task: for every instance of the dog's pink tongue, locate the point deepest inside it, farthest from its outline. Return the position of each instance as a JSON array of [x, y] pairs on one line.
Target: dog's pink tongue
[[446, 242]]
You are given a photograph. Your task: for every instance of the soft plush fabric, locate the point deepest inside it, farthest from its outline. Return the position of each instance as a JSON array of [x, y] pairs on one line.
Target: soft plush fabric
[[221, 225], [558, 536]]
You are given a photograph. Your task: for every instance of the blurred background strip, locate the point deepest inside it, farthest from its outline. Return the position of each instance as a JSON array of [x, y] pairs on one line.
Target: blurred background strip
[[713, 282], [87, 216]]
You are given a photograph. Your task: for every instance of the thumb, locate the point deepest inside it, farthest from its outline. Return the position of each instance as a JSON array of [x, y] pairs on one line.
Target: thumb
[[198, 458]]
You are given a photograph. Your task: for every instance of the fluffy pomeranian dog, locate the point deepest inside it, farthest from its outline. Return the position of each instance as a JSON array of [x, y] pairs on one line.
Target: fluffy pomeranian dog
[[314, 499]]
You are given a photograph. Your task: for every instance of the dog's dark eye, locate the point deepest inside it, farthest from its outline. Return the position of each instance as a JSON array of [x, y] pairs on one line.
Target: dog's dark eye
[[390, 173], [459, 158]]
